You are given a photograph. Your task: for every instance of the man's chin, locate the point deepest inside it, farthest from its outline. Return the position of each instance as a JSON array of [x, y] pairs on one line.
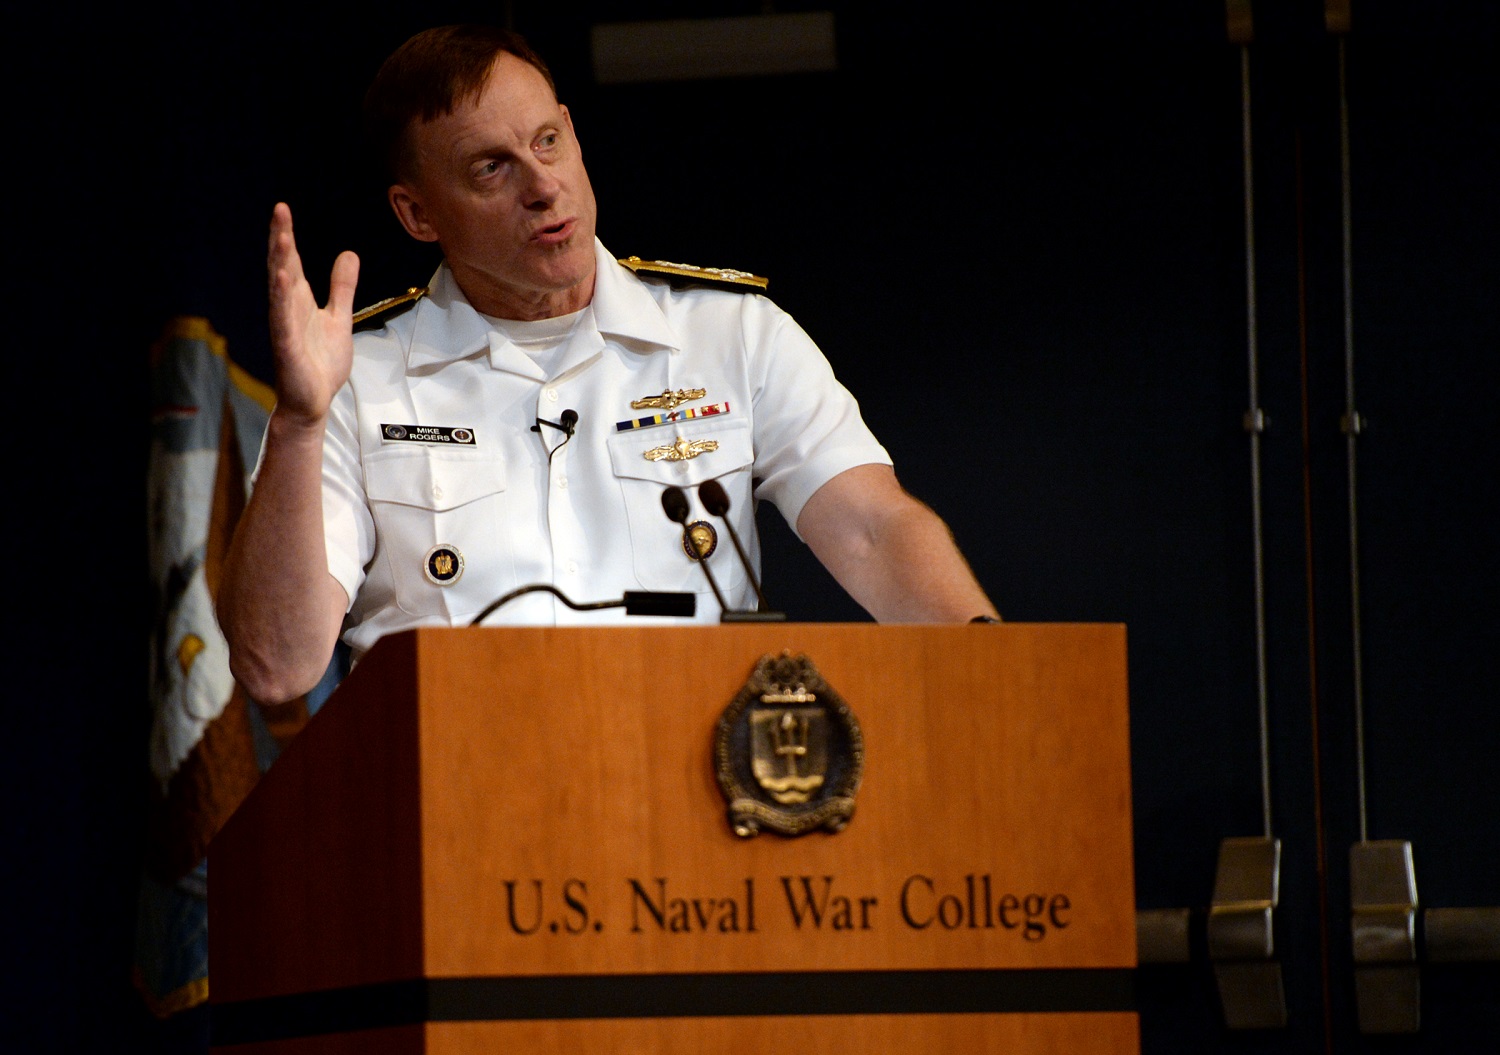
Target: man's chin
[[563, 267], [557, 281]]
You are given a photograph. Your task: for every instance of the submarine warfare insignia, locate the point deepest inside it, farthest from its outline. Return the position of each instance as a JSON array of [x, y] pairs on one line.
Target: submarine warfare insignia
[[703, 538], [672, 415], [668, 400], [689, 274], [788, 752], [682, 450], [443, 565]]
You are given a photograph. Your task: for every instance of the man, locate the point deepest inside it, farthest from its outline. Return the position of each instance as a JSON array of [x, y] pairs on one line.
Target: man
[[414, 475]]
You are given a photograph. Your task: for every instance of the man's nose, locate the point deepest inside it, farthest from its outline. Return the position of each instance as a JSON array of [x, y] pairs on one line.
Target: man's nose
[[542, 186]]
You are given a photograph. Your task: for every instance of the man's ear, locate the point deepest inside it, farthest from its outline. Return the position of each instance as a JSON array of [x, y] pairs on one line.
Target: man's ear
[[407, 206]]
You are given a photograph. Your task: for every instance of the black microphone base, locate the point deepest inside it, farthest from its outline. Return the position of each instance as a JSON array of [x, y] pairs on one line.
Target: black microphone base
[[653, 602], [752, 617]]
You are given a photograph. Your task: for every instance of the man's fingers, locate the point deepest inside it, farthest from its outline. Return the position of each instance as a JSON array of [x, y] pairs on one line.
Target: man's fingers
[[341, 285], [281, 228], [281, 253], [281, 216]]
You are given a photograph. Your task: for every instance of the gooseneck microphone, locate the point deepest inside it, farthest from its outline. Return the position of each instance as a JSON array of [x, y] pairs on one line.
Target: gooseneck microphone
[[635, 602], [675, 503], [716, 500]]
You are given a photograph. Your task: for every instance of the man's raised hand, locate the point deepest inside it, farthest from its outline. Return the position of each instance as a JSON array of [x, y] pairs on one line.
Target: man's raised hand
[[313, 346]]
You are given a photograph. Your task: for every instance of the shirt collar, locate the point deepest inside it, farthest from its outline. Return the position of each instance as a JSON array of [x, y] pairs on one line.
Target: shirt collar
[[447, 327], [624, 307]]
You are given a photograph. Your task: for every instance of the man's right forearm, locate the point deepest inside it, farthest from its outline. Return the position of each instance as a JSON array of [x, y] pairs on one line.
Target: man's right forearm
[[278, 605]]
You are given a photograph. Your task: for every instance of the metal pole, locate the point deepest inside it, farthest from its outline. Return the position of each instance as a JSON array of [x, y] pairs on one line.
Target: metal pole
[[1255, 424], [1352, 425]]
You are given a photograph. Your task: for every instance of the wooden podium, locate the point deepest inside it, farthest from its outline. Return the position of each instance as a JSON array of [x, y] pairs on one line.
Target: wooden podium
[[514, 840]]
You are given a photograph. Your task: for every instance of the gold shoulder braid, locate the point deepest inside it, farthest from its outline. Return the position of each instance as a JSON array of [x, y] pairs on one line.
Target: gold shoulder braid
[[689, 275], [380, 307]]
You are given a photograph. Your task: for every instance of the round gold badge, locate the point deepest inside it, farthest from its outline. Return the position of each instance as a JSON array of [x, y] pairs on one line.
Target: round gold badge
[[443, 565], [703, 539]]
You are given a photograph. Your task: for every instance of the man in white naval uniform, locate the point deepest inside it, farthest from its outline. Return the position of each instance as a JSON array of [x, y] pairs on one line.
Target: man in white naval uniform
[[401, 481], [511, 506]]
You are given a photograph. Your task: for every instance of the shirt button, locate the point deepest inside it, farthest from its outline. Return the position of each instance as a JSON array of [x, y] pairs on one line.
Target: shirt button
[[551, 395], [572, 567], [562, 482], [437, 491]]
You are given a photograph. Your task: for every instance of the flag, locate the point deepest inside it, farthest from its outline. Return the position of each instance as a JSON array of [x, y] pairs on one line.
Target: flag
[[209, 743]]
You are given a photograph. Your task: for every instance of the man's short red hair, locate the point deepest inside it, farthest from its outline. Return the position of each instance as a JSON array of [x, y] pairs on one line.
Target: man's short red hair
[[428, 76]]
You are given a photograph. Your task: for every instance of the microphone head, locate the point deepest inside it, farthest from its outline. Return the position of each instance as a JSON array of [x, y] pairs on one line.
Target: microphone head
[[569, 419], [675, 503], [714, 498]]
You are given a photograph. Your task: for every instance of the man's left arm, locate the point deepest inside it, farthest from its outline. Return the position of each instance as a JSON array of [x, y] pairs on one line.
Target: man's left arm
[[890, 552]]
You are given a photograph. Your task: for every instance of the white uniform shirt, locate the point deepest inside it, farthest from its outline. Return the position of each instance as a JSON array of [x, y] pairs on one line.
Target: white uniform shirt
[[591, 522]]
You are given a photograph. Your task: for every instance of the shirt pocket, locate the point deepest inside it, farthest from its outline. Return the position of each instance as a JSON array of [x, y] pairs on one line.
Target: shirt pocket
[[726, 453], [425, 498]]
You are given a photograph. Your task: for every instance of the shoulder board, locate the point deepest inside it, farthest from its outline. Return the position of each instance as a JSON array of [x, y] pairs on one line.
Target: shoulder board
[[411, 296], [687, 274]]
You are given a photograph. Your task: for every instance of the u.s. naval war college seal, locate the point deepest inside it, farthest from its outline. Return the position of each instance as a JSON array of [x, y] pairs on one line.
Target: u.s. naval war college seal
[[788, 752]]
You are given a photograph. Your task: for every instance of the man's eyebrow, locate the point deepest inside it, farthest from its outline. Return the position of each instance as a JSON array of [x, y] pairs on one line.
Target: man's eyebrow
[[488, 149], [485, 150]]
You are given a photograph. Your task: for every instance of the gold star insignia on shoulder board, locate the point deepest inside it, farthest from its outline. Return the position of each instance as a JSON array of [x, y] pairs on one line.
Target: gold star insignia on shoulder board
[[380, 307], [690, 274]]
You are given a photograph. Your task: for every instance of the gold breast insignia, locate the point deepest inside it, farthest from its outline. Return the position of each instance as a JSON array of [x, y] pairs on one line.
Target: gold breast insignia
[[668, 400], [681, 450]]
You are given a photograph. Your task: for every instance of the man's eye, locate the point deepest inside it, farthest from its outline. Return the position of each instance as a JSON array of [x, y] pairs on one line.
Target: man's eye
[[547, 141]]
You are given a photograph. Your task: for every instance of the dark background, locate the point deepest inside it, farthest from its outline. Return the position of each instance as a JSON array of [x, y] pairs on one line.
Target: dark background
[[1019, 237]]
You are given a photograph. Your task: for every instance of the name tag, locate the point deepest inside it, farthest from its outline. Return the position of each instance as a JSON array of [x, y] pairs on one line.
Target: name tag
[[426, 434]]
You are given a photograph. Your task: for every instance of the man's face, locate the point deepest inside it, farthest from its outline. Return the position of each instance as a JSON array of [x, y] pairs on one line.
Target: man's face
[[500, 185]]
